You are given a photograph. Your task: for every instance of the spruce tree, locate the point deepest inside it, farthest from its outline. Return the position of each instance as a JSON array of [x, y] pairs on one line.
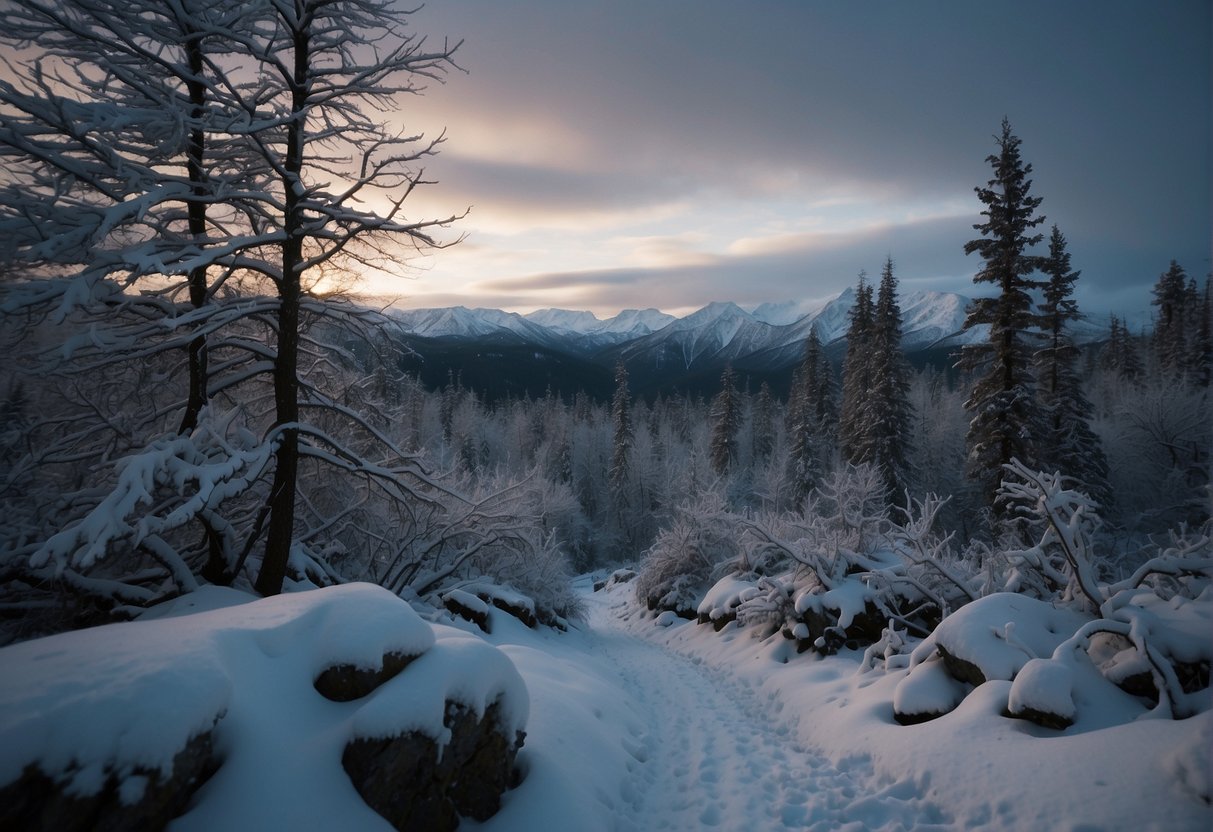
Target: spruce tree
[[1005, 416], [805, 441], [1068, 444], [825, 407], [1109, 354], [621, 420], [762, 432], [1202, 354], [1170, 340], [889, 412], [726, 422], [854, 427]]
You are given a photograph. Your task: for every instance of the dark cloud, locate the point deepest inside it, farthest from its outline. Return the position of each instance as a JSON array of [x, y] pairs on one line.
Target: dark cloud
[[896, 100], [568, 280], [533, 188]]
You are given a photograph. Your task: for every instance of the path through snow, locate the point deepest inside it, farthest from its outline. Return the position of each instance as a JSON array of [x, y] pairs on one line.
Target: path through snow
[[635, 727], [709, 754]]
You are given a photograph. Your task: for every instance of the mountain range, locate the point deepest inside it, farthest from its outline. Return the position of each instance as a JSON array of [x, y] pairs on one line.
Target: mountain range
[[498, 353]]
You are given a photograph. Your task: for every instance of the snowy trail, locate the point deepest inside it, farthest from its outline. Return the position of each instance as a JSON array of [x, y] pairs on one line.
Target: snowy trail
[[711, 755]]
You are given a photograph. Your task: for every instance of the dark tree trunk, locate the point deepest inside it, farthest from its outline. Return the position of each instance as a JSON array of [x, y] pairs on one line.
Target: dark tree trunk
[[196, 208], [286, 382]]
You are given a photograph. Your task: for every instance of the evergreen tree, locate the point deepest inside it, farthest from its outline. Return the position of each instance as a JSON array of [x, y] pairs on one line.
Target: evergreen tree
[[726, 422], [1109, 354], [1170, 339], [1202, 353], [1005, 416], [805, 438], [1128, 361], [1068, 444], [889, 408], [854, 427], [825, 406], [14, 418], [621, 419], [762, 432]]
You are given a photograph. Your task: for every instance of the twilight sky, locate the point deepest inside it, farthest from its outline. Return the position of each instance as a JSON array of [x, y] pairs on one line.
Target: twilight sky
[[635, 153]]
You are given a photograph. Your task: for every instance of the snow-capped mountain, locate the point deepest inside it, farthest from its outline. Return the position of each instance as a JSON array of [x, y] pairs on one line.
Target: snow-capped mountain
[[592, 333], [785, 312], [565, 321], [634, 323], [716, 333], [461, 323], [662, 349]]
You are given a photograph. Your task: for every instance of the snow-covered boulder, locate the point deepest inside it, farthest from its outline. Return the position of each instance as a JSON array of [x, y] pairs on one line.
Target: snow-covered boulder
[[508, 600], [467, 606], [1043, 692], [848, 613], [995, 636], [926, 693], [619, 576], [98, 726], [719, 606], [1178, 628]]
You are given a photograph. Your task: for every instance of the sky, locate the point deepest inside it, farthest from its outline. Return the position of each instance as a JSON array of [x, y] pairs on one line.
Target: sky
[[633, 154]]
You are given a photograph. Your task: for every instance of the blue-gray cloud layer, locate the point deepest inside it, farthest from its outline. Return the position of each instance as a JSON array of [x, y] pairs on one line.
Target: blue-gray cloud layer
[[901, 99]]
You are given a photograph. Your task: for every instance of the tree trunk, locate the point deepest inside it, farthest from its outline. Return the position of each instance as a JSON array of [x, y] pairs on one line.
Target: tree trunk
[[286, 381]]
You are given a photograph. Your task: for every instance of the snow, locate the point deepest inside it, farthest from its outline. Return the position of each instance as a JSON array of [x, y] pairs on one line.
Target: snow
[[565, 321], [657, 723], [928, 690], [849, 598], [630, 323], [785, 312], [725, 596], [1043, 685], [467, 600], [1001, 632], [128, 696], [633, 722], [1179, 627], [507, 595], [775, 330], [636, 322]]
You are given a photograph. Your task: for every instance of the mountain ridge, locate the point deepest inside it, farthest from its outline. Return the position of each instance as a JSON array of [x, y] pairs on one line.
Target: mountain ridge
[[663, 352]]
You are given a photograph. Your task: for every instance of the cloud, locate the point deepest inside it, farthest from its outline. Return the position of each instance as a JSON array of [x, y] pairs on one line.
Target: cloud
[[719, 154], [928, 253]]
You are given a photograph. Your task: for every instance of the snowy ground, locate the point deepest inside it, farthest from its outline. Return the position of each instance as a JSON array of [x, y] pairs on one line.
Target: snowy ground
[[639, 727], [632, 725]]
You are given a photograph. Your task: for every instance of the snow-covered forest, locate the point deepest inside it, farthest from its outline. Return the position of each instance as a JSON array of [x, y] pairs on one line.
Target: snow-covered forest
[[254, 575]]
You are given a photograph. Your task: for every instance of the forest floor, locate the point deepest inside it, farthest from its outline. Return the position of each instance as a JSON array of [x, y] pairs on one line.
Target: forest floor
[[639, 727]]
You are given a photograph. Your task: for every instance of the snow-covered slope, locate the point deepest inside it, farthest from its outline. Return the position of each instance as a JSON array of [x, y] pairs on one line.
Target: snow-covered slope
[[716, 333], [633, 323], [461, 322], [785, 312], [565, 321], [584, 332]]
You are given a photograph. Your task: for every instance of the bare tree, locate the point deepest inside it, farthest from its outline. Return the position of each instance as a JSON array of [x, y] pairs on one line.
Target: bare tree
[[120, 217]]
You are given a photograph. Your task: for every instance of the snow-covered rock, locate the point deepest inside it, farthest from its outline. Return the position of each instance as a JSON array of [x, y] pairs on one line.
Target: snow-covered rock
[[927, 693], [109, 710], [995, 636], [1043, 692], [719, 606]]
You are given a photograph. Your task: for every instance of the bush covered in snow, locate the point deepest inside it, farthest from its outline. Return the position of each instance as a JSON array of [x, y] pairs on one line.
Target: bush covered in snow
[[841, 572], [698, 545], [1147, 633]]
